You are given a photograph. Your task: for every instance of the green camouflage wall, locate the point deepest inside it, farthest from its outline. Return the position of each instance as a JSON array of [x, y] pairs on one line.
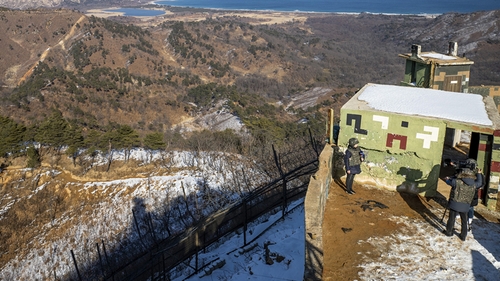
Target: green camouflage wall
[[485, 146], [492, 91], [441, 72], [489, 152], [402, 152], [422, 72]]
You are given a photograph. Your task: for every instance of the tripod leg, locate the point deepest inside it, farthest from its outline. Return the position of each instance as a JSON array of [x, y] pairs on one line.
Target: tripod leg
[[442, 218]]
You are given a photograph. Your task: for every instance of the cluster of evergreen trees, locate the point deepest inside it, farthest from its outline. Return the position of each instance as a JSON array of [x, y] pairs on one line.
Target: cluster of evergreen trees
[[55, 133]]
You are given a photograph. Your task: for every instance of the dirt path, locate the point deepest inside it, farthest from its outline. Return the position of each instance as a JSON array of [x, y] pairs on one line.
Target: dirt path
[[61, 44]]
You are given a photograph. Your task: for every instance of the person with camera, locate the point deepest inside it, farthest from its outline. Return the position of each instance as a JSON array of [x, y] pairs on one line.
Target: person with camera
[[352, 161], [471, 164], [463, 188]]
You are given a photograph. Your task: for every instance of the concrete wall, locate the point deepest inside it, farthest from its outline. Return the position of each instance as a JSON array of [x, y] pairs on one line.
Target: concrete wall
[[402, 152], [314, 205]]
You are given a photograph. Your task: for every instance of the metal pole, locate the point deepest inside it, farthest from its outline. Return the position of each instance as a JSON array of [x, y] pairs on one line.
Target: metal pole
[[245, 222], [443, 215], [107, 259], [100, 260], [76, 266]]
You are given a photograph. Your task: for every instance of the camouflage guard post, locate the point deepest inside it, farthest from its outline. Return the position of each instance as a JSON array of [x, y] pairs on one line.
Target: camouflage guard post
[[404, 146]]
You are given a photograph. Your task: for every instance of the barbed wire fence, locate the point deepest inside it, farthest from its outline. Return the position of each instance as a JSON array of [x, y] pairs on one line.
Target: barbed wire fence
[[154, 259]]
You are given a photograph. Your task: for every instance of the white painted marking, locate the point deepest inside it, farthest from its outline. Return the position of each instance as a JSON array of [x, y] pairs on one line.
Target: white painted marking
[[383, 119], [429, 138]]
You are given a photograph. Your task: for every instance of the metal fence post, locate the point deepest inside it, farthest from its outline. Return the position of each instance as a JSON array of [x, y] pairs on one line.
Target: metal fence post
[[76, 266], [245, 222]]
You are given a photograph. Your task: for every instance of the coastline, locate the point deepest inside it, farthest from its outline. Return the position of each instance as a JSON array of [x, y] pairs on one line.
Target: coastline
[[155, 2], [108, 12], [257, 17], [195, 14], [102, 13]]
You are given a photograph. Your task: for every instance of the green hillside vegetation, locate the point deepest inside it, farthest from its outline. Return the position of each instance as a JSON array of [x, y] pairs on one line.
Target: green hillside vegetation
[[104, 77]]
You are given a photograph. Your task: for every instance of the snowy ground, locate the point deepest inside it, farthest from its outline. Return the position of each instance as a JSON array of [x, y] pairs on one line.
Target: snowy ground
[[422, 253], [419, 252], [105, 212], [284, 239]]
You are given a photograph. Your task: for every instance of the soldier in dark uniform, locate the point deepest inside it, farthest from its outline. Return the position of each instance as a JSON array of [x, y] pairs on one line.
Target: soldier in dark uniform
[[352, 161], [463, 188]]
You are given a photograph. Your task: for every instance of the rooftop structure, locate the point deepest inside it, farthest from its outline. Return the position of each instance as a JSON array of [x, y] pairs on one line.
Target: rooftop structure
[[447, 72]]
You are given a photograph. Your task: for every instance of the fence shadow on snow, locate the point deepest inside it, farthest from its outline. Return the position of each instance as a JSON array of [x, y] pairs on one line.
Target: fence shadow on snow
[[153, 259]]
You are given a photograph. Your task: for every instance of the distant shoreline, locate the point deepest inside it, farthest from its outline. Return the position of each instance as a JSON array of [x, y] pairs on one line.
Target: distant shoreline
[[199, 14], [432, 15], [108, 12]]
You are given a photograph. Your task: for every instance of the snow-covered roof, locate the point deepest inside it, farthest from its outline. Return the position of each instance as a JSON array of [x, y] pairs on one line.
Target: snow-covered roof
[[459, 107], [438, 56], [440, 59]]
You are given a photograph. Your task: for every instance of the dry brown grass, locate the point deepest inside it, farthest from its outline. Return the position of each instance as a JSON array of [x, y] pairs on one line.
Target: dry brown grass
[[44, 194]]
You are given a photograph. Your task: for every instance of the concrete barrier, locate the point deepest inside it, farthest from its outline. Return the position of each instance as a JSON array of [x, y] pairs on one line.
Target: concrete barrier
[[314, 206]]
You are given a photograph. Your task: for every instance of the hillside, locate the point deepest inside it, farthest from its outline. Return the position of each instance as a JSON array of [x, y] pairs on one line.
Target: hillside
[[270, 77], [31, 4], [147, 73]]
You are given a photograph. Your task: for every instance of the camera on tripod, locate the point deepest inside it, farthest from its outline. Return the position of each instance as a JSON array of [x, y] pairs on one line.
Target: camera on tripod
[[470, 164]]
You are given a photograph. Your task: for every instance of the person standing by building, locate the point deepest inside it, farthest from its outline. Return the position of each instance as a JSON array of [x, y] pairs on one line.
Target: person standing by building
[[463, 188], [472, 163], [352, 161]]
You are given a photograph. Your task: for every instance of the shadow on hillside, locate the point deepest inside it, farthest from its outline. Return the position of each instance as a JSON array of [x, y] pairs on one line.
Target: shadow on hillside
[[172, 222], [105, 262], [157, 241]]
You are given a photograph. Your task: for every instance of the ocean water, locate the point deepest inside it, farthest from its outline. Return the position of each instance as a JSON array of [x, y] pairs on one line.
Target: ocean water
[[344, 6]]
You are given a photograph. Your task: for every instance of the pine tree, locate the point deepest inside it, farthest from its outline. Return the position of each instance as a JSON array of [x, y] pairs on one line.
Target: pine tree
[[75, 141], [127, 139], [33, 157], [154, 141], [52, 132], [11, 136]]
